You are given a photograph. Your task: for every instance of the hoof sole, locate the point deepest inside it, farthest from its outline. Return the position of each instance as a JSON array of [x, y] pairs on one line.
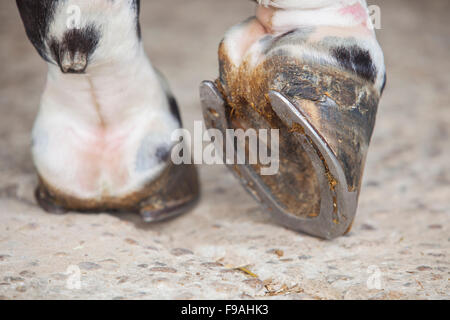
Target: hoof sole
[[310, 193]]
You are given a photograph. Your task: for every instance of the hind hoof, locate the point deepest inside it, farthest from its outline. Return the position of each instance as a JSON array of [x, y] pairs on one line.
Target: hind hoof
[[47, 202], [179, 192]]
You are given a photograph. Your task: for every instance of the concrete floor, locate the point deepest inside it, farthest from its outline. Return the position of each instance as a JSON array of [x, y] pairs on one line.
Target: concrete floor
[[398, 248]]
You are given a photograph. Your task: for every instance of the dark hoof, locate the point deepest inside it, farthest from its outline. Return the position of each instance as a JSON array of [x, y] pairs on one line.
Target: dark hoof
[[178, 192], [173, 193], [46, 202], [313, 192], [171, 210]]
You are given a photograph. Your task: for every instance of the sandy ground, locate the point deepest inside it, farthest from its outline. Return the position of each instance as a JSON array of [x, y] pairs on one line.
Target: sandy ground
[[398, 248]]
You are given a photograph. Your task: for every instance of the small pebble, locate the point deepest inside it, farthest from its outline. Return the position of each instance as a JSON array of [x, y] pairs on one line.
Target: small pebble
[[423, 268], [13, 279], [3, 257], [21, 289], [89, 266], [254, 283], [180, 252], [212, 264], [367, 227], [131, 241], [278, 252], [163, 269], [122, 279], [27, 274]]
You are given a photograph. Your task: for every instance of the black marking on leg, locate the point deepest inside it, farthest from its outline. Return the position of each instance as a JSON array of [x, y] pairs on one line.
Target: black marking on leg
[[356, 59], [137, 7], [162, 153], [36, 16], [147, 157], [173, 105], [75, 41], [83, 40], [383, 86], [174, 109]]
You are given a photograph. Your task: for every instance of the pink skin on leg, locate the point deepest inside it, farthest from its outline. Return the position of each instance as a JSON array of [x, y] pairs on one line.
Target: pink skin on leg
[[99, 155], [253, 32], [264, 15], [256, 29], [357, 12]]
